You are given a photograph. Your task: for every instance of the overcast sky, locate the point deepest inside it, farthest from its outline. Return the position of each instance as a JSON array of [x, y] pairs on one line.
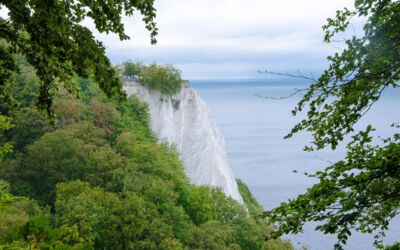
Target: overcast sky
[[231, 38]]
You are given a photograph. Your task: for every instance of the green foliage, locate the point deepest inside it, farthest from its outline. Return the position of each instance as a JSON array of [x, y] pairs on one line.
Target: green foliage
[[134, 119], [8, 68], [108, 183], [15, 213], [17, 91], [361, 192], [67, 110], [166, 78], [206, 204], [104, 115], [5, 124], [93, 210], [26, 89], [356, 77], [213, 235], [69, 47], [24, 225], [255, 209], [30, 125], [132, 69], [277, 244], [56, 157]]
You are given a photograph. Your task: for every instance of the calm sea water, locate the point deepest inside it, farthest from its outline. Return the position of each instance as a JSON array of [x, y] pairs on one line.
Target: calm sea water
[[254, 128]]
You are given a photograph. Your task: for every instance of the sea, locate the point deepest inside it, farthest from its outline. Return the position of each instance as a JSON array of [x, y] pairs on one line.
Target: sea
[[254, 116]]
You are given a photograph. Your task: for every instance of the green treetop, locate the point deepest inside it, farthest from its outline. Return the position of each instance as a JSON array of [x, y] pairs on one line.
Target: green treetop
[[132, 68], [166, 79]]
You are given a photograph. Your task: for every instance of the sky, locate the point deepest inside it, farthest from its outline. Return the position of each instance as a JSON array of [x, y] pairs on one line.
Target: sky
[[231, 39]]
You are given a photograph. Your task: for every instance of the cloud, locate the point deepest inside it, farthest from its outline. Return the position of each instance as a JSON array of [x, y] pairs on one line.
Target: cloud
[[229, 38]]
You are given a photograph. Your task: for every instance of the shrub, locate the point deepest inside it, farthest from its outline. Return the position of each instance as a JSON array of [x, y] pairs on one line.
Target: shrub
[[132, 69], [166, 78]]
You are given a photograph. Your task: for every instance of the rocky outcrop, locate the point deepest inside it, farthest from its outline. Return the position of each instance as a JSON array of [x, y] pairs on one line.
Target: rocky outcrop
[[184, 120]]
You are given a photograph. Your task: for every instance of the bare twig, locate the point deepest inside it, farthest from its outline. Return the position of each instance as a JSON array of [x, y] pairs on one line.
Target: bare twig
[[336, 47], [296, 91], [299, 75], [324, 160]]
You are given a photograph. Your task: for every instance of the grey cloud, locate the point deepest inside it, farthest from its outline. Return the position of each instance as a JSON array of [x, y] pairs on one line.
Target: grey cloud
[[231, 38]]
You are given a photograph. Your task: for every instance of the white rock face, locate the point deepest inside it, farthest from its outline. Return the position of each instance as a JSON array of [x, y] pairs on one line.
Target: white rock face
[[185, 121]]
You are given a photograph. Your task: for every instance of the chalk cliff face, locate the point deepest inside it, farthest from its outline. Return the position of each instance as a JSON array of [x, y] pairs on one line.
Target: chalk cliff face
[[184, 120]]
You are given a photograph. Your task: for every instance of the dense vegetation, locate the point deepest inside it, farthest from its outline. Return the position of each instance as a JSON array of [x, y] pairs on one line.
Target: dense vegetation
[[361, 192], [164, 78], [96, 178], [68, 50], [132, 69]]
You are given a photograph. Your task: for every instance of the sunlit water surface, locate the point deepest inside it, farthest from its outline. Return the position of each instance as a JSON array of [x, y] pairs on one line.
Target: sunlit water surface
[[254, 128]]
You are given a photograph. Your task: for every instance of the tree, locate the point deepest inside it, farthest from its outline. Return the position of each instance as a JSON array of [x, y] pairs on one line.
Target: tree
[[166, 78], [14, 214], [56, 157], [254, 208], [214, 235], [50, 36], [67, 110], [93, 210], [76, 152], [30, 125], [361, 192], [5, 124], [132, 69], [104, 115]]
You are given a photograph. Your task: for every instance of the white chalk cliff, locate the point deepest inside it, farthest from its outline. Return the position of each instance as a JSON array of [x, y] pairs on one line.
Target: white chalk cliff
[[184, 120]]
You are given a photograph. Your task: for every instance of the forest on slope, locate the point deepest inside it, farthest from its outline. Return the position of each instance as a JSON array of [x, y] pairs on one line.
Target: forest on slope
[[93, 176]]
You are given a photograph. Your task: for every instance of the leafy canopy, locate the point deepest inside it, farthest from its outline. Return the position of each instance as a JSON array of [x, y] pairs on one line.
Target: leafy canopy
[[165, 78], [361, 192], [131, 69], [50, 36], [97, 178]]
